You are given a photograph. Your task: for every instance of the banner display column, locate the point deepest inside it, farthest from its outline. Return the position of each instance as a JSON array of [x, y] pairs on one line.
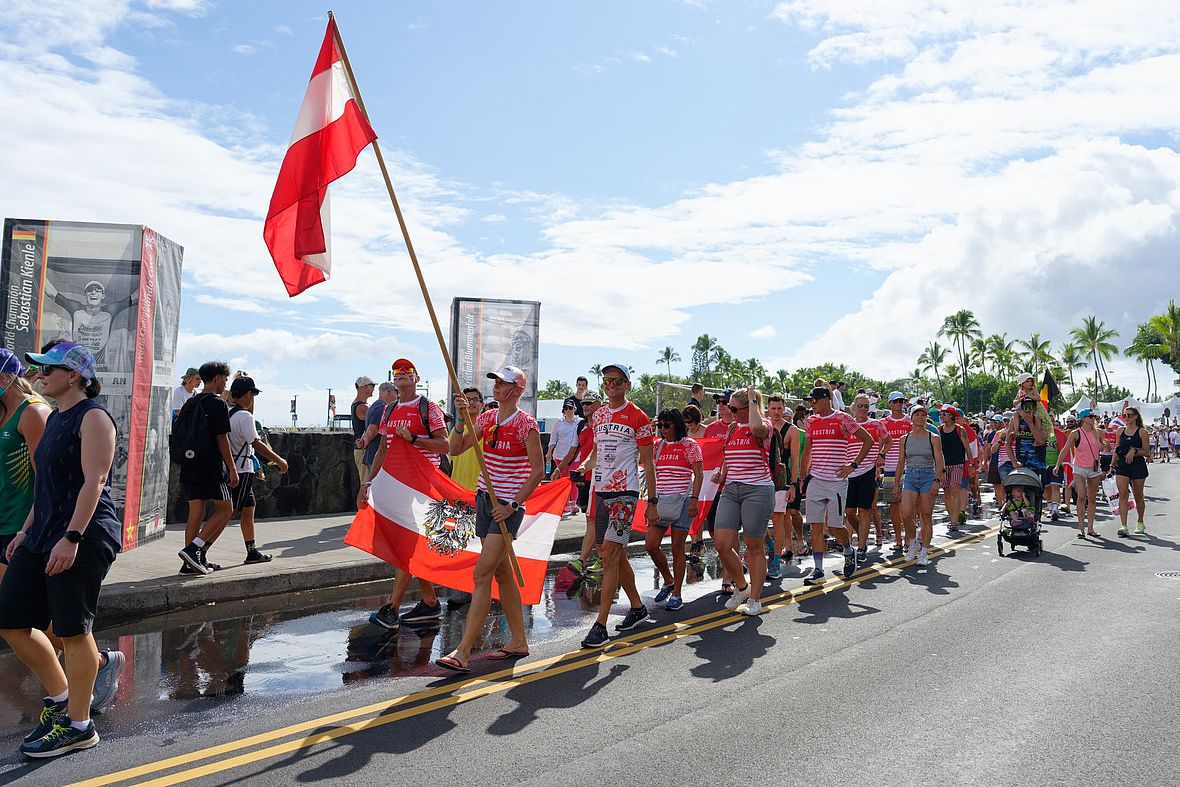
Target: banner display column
[[489, 334]]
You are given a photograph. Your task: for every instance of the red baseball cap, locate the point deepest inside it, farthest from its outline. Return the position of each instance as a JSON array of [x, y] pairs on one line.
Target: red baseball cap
[[403, 363]]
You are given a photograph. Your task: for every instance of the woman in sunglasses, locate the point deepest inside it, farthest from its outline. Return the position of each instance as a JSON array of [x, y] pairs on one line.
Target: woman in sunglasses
[[1130, 467], [22, 422], [1081, 449], [679, 474]]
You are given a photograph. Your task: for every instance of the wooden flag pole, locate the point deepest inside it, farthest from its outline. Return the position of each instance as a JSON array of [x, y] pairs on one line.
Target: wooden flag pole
[[442, 345]]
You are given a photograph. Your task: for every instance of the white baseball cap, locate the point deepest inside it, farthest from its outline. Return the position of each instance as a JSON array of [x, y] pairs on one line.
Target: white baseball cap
[[510, 374], [364, 380], [1023, 377]]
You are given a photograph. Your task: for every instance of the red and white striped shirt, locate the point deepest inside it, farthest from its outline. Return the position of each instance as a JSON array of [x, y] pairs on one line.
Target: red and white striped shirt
[[407, 414], [876, 430], [827, 439], [747, 459], [507, 455], [896, 428], [617, 437], [674, 461]]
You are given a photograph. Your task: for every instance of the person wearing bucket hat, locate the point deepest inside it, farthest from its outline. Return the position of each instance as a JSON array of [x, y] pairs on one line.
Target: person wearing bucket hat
[[186, 390], [59, 558], [22, 422]]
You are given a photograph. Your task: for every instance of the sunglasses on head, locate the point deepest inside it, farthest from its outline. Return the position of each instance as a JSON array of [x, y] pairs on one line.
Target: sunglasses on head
[[404, 370]]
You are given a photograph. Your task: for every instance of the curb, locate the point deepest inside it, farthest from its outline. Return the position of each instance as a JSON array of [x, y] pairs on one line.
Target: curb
[[137, 600]]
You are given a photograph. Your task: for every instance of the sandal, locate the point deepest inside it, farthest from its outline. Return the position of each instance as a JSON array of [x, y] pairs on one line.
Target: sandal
[[451, 663], [1081, 535], [503, 654], [727, 588]]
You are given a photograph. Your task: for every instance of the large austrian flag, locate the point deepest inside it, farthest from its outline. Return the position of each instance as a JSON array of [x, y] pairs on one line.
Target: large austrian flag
[[330, 133], [712, 453], [421, 521]]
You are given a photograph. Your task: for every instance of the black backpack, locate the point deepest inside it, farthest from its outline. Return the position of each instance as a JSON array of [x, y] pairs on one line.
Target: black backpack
[[778, 462], [190, 442]]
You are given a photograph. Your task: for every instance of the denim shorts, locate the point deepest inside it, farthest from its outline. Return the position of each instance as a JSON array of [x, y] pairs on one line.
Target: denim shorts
[[745, 506], [918, 479]]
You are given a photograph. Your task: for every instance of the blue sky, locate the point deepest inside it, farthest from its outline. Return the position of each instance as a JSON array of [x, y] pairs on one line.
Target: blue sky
[[847, 172]]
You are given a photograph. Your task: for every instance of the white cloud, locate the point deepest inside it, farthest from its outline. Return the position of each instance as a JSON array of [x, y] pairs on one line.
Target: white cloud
[[282, 30], [641, 57], [764, 332], [245, 49]]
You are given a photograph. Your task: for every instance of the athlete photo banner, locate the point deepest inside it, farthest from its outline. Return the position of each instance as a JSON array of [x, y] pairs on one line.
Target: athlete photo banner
[[421, 521], [114, 288], [489, 334]]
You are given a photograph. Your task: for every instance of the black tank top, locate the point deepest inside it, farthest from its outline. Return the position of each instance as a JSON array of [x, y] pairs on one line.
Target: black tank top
[[953, 450], [358, 424]]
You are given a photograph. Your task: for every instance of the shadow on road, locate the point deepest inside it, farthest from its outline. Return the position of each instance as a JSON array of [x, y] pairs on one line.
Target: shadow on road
[[298, 547], [822, 608], [728, 652], [563, 691]]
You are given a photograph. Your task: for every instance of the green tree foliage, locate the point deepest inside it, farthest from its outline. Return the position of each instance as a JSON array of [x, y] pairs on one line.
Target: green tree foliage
[[555, 389]]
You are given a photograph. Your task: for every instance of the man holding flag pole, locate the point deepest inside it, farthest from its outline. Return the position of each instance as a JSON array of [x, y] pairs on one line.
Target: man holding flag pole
[[330, 132]]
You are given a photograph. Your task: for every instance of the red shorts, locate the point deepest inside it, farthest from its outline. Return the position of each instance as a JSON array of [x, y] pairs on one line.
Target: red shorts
[[954, 475]]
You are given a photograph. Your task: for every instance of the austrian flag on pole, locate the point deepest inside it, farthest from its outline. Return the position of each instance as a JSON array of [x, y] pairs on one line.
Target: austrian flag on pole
[[330, 133], [421, 521]]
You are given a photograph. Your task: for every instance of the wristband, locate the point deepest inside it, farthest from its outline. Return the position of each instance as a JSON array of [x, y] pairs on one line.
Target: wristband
[[413, 439]]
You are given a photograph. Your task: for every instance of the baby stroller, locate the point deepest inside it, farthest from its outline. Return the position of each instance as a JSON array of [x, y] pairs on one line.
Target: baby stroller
[[1023, 532]]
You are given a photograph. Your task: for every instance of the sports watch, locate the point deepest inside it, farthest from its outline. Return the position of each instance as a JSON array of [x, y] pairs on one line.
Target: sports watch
[[74, 536]]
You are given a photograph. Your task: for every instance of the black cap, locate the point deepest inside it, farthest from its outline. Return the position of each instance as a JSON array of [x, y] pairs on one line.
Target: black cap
[[723, 396], [820, 393], [243, 385]]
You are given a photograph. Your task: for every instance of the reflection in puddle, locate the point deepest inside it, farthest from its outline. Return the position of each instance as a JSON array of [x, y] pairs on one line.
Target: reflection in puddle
[[308, 642]]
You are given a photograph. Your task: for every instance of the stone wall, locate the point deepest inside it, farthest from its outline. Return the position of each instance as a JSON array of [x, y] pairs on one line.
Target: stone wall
[[322, 478]]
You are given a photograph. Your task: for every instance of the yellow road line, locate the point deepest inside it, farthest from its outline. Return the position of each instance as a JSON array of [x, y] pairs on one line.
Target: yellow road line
[[486, 684]]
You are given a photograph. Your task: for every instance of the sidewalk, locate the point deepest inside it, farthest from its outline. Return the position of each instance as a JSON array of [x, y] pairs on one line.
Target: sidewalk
[[309, 553]]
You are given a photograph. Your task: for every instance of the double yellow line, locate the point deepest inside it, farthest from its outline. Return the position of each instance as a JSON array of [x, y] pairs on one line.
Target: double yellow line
[[450, 694]]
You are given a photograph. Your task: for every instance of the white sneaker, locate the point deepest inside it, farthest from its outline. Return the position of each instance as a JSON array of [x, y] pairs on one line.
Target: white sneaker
[[912, 550], [738, 597], [752, 607], [923, 558]]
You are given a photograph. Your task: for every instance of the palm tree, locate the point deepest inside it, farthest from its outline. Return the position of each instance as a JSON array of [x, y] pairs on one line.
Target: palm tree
[[961, 327], [754, 370], [779, 382], [930, 360], [703, 350], [1147, 347], [916, 382], [1071, 357], [979, 353], [1167, 325], [1094, 338], [596, 370], [668, 356], [1039, 353]]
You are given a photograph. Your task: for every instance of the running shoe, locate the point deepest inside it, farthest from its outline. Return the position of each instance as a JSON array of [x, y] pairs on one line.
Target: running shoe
[[665, 591], [674, 603], [386, 617], [423, 612], [62, 739], [739, 596], [816, 577], [106, 683], [51, 713], [752, 607], [459, 600], [1054, 516], [912, 550], [595, 566], [849, 563], [1122, 533], [634, 617], [923, 558], [191, 555], [597, 637], [774, 569], [577, 567], [1140, 529], [862, 555], [962, 518]]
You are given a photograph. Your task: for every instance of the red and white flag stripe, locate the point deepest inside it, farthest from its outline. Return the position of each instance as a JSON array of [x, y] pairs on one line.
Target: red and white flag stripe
[[330, 133], [416, 519], [712, 454]]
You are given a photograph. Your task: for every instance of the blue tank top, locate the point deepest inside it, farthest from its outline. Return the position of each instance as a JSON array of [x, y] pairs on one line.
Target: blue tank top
[[59, 481]]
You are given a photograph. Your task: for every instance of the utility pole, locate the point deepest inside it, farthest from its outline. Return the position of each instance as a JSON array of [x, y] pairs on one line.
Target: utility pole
[[294, 414]]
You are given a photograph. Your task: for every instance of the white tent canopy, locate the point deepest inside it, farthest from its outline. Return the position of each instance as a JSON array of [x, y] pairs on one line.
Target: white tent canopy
[[1150, 412]]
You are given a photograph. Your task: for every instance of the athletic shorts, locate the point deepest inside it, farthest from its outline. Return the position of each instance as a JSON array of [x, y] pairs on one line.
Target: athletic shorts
[[1086, 473], [30, 599], [1104, 462], [745, 506], [484, 523], [672, 512], [800, 496], [614, 513], [205, 484], [887, 481], [244, 492], [919, 479], [1056, 476], [861, 490], [954, 475], [780, 501], [826, 501]]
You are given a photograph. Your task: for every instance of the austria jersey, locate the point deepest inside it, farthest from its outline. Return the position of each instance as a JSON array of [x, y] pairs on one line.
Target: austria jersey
[[406, 414], [674, 461], [747, 458], [897, 428], [617, 437], [876, 431], [505, 450], [828, 437]]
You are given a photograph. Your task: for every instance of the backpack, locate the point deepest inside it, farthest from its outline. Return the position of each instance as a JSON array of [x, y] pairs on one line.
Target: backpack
[[190, 442], [778, 466]]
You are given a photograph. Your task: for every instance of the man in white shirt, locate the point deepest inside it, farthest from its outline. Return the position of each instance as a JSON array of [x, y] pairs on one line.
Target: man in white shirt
[[244, 442], [186, 390]]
